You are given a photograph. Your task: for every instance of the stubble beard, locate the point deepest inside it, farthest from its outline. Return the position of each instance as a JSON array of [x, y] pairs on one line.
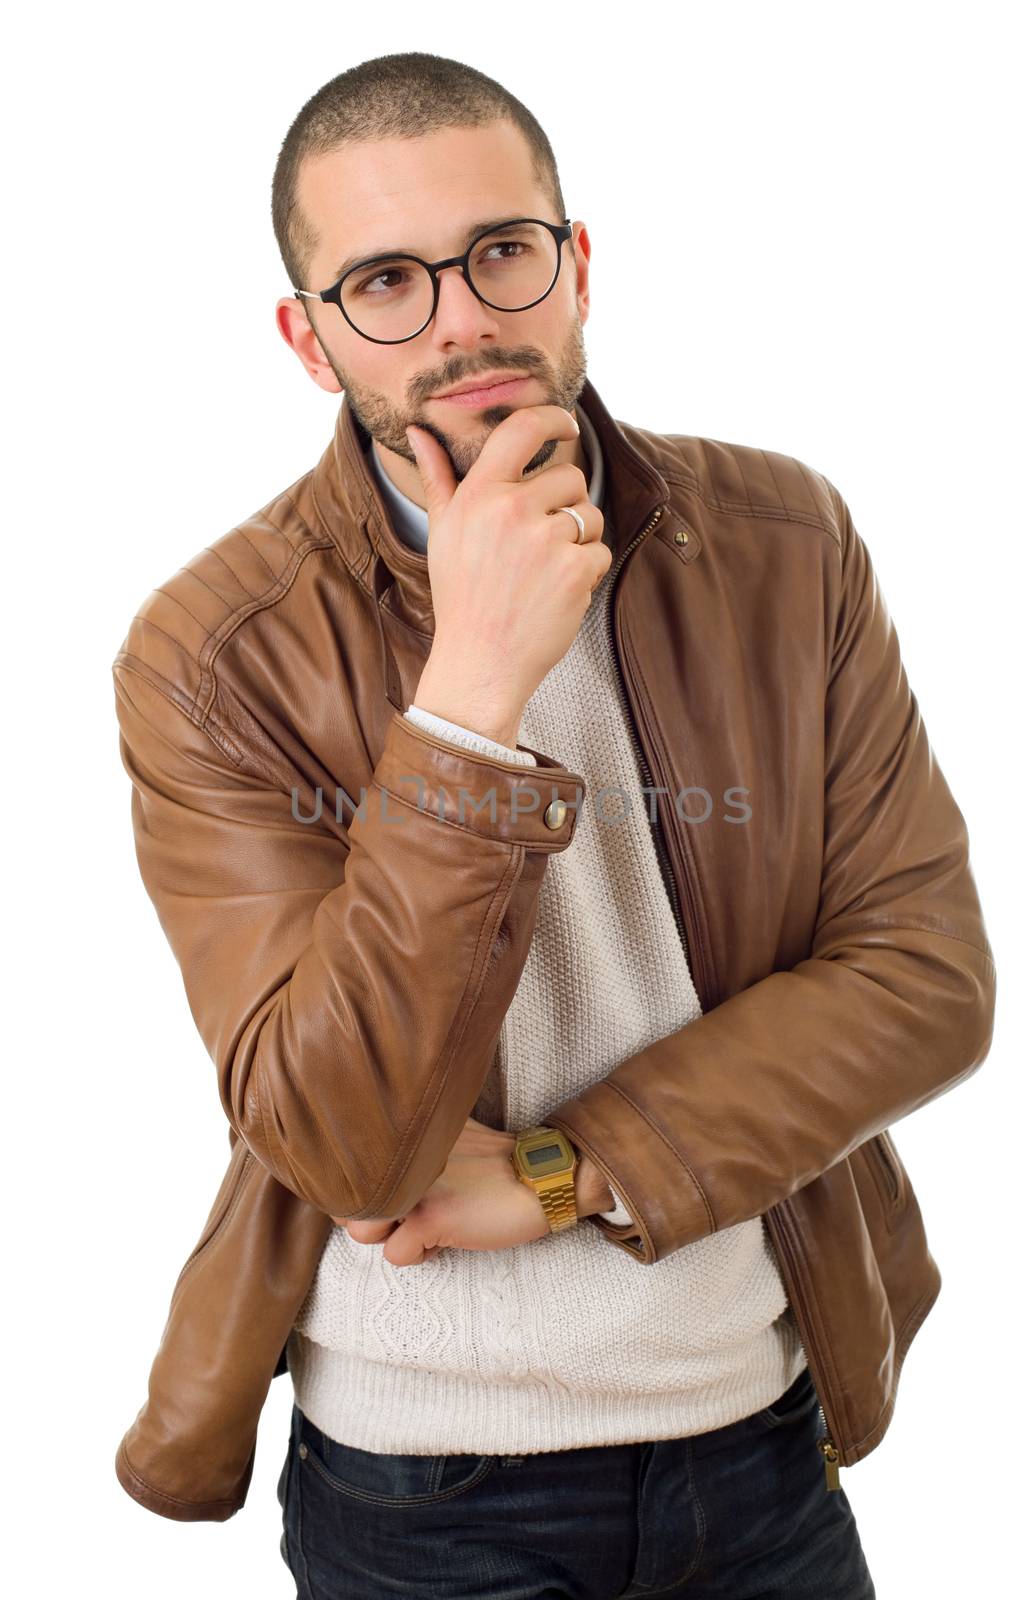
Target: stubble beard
[[386, 423]]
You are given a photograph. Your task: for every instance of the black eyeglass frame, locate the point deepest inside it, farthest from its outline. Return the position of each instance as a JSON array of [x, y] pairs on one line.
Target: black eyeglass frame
[[333, 296]]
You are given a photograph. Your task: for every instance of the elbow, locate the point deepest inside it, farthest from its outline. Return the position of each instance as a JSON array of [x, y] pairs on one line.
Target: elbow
[[339, 1180], [983, 1009], [939, 1027], [967, 1017]]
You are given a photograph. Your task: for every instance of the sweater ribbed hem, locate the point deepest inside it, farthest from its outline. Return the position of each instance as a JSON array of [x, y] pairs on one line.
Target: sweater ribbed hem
[[398, 1410]]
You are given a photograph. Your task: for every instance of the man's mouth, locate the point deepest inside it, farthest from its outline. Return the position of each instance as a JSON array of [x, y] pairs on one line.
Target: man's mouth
[[492, 395]]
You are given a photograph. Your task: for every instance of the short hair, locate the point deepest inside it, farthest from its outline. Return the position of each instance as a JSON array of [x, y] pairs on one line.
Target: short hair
[[396, 96]]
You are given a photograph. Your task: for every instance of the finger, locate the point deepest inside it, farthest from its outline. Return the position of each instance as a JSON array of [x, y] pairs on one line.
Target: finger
[[590, 515], [372, 1230], [513, 443], [405, 1248], [435, 467], [562, 484], [600, 575]]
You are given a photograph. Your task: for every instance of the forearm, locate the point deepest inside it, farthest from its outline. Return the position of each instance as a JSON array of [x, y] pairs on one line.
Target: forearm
[[715, 1123], [891, 1005], [349, 987], [483, 710]]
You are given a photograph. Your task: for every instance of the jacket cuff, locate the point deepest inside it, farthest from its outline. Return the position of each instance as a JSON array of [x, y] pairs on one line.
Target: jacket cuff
[[662, 1197], [532, 805]]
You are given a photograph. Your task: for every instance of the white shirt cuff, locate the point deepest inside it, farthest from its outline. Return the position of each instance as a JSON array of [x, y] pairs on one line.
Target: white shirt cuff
[[619, 1215], [471, 741]]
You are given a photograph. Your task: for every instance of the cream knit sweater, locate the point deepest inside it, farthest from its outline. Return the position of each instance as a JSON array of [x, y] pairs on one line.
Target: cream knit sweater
[[566, 1341]]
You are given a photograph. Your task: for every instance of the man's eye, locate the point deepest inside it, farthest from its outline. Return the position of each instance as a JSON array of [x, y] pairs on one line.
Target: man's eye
[[514, 245], [382, 281]]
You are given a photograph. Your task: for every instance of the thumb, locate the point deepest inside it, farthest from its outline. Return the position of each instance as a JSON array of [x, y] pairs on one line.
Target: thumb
[[435, 468]]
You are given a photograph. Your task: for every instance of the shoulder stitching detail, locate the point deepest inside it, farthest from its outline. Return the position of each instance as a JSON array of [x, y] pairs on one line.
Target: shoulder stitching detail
[[825, 522], [219, 636], [176, 697]]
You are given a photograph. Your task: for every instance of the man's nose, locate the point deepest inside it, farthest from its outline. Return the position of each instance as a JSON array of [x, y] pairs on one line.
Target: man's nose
[[460, 317]]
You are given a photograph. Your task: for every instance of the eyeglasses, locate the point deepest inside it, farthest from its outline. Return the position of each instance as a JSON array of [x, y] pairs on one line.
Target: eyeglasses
[[390, 299]]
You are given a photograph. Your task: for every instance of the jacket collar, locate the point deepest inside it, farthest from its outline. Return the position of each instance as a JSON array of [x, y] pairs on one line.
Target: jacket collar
[[353, 512]]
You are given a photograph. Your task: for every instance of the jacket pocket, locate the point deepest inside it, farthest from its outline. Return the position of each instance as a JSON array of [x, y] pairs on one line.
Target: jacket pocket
[[228, 1191], [883, 1159]]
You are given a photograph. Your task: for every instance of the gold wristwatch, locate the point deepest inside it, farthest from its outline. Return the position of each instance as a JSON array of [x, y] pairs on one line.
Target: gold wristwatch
[[544, 1160]]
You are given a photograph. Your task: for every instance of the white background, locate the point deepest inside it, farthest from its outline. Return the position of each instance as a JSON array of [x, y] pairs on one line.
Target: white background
[[840, 194]]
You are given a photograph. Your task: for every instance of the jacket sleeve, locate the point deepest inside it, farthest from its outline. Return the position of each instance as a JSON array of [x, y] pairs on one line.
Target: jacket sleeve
[[349, 983], [717, 1122]]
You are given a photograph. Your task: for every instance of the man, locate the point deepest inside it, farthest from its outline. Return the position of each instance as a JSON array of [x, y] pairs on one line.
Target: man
[[547, 834]]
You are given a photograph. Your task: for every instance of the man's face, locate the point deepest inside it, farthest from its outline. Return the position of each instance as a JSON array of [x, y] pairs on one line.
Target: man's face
[[422, 196]]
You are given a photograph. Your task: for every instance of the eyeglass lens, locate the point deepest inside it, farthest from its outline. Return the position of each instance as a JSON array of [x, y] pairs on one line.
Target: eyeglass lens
[[392, 299]]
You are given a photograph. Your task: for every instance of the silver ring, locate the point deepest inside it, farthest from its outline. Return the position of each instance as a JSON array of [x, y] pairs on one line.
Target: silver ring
[[580, 524]]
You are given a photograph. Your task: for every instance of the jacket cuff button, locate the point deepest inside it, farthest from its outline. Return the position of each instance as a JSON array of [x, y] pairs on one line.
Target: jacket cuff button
[[555, 814]]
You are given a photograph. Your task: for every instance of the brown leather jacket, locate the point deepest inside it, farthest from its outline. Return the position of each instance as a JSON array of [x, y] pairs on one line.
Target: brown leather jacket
[[349, 975]]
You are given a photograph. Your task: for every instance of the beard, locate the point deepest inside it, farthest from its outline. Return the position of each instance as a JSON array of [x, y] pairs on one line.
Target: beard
[[386, 423]]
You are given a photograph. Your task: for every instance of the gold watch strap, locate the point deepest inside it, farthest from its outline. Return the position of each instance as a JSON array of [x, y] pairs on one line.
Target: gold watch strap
[[560, 1206], [556, 1191]]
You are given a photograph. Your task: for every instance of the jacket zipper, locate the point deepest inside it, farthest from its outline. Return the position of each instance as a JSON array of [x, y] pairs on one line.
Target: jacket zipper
[[826, 1444], [668, 876]]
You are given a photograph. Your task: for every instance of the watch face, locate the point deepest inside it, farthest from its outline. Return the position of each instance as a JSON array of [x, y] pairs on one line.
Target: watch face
[[544, 1157]]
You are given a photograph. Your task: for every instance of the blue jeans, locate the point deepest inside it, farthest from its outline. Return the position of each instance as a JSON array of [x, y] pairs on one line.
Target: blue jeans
[[740, 1513]]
